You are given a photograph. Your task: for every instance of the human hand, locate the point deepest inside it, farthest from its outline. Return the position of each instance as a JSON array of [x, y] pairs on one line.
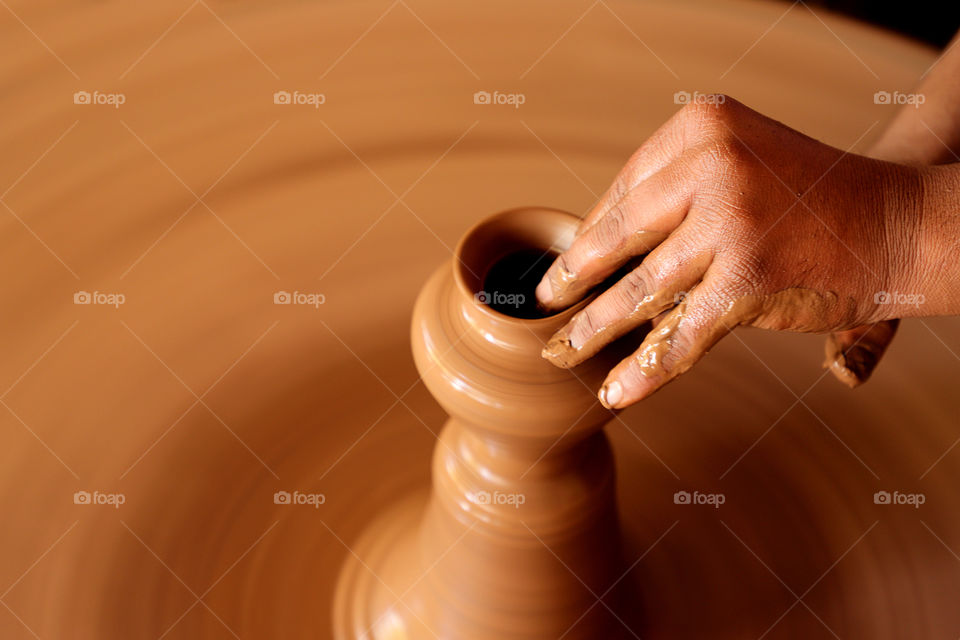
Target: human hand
[[747, 222]]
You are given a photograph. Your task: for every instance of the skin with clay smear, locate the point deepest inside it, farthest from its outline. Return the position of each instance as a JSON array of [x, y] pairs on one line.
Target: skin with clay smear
[[738, 219]]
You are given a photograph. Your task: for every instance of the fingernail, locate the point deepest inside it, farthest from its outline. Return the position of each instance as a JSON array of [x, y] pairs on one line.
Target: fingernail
[[544, 292], [611, 393]]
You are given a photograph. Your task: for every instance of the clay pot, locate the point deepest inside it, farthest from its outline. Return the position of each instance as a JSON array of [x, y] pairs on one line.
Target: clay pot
[[519, 536]]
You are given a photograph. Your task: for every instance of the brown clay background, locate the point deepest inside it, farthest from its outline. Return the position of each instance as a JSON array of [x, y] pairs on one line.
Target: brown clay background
[[198, 398]]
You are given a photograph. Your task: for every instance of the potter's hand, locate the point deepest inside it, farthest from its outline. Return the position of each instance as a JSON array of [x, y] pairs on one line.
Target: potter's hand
[[746, 221]]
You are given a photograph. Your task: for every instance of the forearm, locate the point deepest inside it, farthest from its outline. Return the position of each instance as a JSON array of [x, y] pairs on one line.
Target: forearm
[[929, 240], [930, 132]]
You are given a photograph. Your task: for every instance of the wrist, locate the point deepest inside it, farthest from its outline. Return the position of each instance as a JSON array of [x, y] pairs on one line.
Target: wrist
[[927, 276], [902, 190]]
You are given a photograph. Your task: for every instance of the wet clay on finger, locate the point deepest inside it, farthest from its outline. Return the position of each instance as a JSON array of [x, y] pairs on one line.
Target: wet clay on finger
[[563, 351], [658, 358], [568, 287]]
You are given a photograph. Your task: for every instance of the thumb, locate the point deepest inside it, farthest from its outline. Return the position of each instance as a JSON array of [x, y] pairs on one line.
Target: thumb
[[852, 355]]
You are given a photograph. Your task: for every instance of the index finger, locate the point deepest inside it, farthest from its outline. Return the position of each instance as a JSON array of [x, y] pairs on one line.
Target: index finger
[[644, 218]]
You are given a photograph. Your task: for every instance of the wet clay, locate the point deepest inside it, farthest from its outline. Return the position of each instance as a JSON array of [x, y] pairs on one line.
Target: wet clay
[[205, 398], [522, 474], [803, 307], [563, 351]]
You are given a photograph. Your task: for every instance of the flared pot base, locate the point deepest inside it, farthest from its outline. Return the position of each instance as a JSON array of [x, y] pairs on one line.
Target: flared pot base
[[376, 595]]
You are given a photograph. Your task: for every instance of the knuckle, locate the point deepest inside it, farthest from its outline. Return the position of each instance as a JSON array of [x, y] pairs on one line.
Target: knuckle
[[728, 174], [730, 154], [724, 171], [590, 320], [673, 358], [747, 271], [712, 114], [739, 275], [701, 320], [637, 284], [661, 352], [618, 190], [612, 230], [610, 234]]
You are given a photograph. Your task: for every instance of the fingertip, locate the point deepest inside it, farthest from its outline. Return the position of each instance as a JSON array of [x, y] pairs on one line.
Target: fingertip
[[611, 394], [850, 365], [843, 373], [853, 355], [622, 390], [559, 351], [544, 291], [560, 287]]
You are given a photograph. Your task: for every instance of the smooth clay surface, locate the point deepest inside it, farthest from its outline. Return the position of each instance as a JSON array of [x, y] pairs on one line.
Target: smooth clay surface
[[519, 538], [198, 400]]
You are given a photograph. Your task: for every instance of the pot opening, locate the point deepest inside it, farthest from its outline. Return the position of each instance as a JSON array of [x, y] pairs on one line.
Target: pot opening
[[502, 259], [510, 283]]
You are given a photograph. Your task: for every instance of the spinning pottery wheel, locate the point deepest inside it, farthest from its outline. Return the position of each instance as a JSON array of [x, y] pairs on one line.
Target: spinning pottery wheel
[[195, 447]]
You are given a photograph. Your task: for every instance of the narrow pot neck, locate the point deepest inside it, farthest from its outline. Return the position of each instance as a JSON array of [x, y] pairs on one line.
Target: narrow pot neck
[[485, 367]]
